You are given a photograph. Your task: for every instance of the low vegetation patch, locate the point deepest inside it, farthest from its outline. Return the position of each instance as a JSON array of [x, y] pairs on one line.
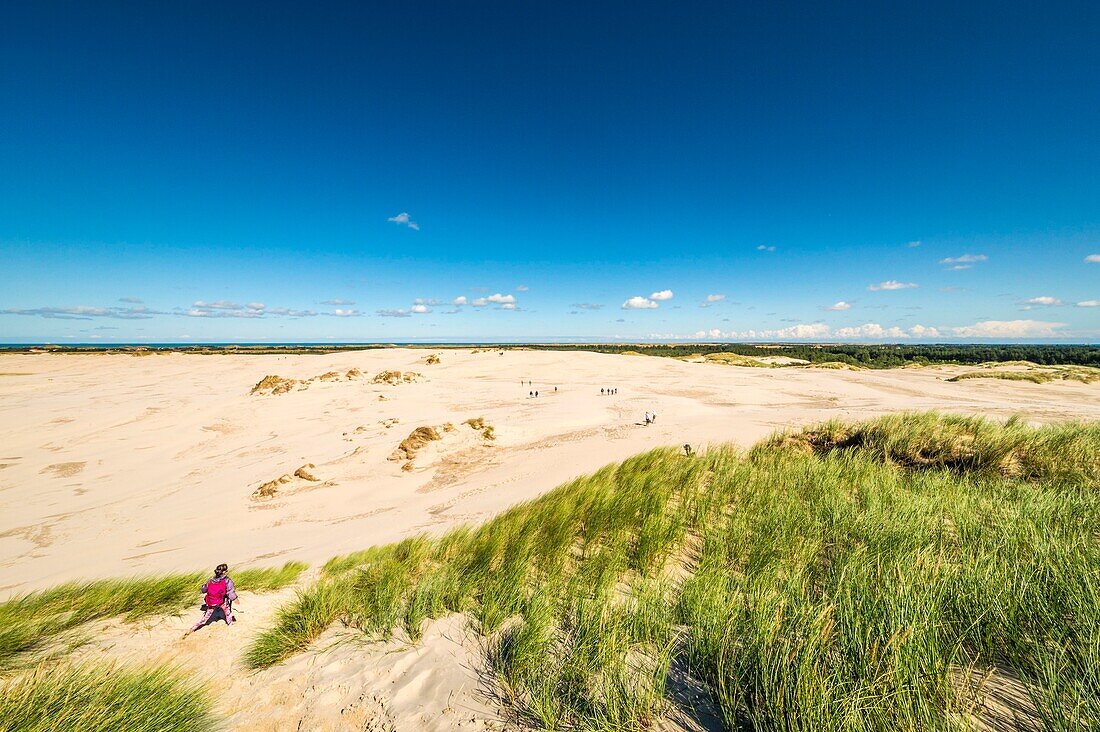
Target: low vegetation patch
[[836, 365], [103, 699], [1082, 374], [734, 359], [29, 623], [842, 578]]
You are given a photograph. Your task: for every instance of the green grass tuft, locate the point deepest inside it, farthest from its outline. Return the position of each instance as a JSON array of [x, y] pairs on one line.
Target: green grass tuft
[[104, 699]]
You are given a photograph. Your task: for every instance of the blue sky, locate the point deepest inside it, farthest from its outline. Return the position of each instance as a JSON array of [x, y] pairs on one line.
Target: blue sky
[[735, 171]]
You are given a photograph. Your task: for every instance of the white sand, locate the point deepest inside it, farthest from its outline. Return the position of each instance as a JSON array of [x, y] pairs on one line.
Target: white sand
[[117, 465]]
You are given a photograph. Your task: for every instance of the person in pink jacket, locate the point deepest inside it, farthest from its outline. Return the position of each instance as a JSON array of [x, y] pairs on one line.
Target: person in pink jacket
[[219, 594]]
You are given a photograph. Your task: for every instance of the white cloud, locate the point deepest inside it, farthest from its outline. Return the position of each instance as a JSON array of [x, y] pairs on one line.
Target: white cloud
[[216, 305], [502, 299], [715, 298], [420, 308], [288, 312], [460, 300], [522, 288], [639, 303], [1043, 301], [588, 305], [1009, 329], [1089, 304], [340, 313], [507, 306], [1092, 259], [913, 244], [765, 248], [922, 331], [891, 285], [870, 330], [964, 259], [839, 305], [85, 312], [713, 333], [661, 295], [800, 331], [479, 302], [399, 313], [337, 301], [226, 309], [131, 300], [403, 219], [822, 332]]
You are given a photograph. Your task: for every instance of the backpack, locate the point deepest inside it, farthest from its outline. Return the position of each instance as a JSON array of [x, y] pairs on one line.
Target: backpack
[[216, 590]]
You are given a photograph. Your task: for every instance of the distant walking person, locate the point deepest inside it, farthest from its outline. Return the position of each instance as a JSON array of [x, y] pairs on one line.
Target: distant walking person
[[219, 594], [647, 420], [601, 391]]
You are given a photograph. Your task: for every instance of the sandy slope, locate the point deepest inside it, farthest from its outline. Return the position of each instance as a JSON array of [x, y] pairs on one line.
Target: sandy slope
[[340, 683], [115, 464]]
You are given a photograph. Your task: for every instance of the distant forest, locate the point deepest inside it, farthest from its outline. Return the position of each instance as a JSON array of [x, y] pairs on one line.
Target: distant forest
[[867, 356], [875, 357]]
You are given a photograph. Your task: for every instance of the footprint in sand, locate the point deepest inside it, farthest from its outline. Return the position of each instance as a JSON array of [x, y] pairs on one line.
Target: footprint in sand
[[63, 470]]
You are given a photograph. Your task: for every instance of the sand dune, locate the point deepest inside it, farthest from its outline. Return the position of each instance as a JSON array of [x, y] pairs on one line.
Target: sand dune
[[114, 465]]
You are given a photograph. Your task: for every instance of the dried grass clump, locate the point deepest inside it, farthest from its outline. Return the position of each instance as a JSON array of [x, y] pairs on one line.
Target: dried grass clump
[[393, 378], [417, 439], [273, 384], [305, 473], [478, 424], [271, 488], [432, 359]]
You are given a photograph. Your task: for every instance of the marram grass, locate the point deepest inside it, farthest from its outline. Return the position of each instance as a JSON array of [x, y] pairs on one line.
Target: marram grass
[[104, 699], [835, 579]]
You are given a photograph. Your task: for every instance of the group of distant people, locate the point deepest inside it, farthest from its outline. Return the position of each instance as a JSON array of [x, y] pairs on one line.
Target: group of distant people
[[648, 418]]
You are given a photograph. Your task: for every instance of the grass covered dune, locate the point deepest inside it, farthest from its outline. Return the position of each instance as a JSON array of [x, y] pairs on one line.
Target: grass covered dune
[[849, 577], [863, 576]]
